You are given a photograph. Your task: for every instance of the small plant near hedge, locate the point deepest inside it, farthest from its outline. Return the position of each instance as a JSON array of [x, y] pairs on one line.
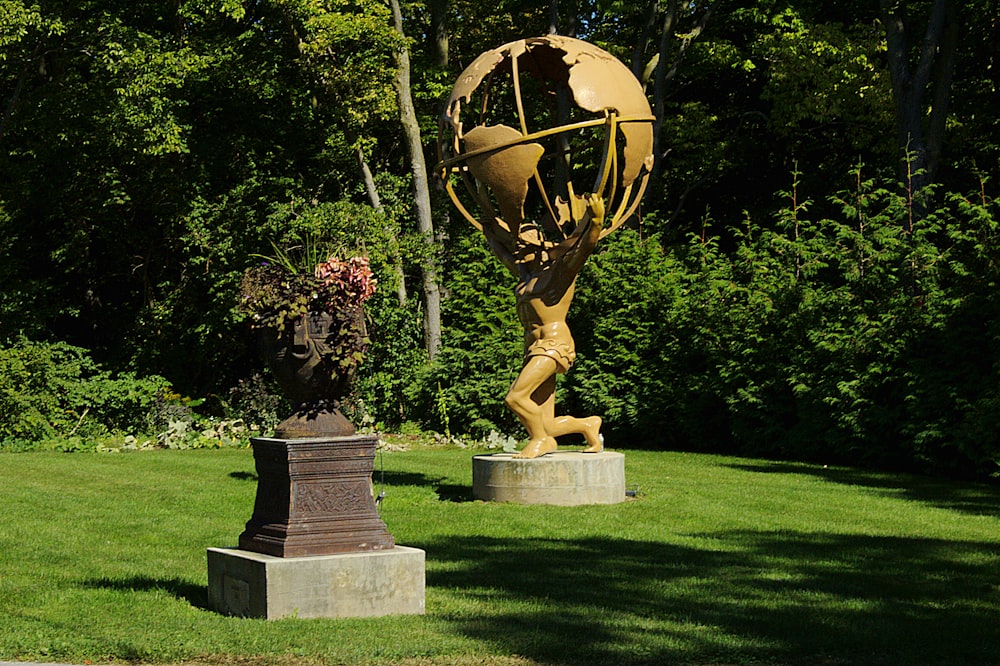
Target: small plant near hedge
[[213, 434], [54, 396], [55, 392]]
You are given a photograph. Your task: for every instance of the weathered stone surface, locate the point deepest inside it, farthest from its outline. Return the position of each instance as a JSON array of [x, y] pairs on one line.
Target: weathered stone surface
[[565, 478], [249, 584]]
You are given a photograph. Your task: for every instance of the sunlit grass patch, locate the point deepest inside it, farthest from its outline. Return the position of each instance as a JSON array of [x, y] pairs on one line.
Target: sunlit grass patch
[[717, 560]]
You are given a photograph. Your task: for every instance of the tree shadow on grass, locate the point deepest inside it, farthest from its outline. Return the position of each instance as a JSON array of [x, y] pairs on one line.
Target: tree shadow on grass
[[196, 595], [969, 498], [745, 597], [447, 492]]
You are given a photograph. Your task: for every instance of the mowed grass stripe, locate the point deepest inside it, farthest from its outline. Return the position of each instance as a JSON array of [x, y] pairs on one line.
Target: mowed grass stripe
[[717, 560]]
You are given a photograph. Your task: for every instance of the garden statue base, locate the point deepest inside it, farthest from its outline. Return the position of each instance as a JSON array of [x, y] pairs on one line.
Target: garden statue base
[[315, 545], [364, 584], [314, 497], [564, 478]]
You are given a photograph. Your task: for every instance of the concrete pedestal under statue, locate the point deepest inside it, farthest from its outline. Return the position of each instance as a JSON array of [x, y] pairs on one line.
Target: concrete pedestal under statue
[[315, 545], [564, 478]]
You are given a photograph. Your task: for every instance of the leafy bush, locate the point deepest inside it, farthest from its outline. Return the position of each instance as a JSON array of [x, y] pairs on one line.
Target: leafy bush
[[646, 321], [55, 390], [256, 400], [462, 390], [394, 357], [862, 335], [867, 337]]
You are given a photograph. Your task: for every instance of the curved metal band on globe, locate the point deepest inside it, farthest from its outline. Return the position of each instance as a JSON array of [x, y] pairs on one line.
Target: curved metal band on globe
[[630, 197], [446, 166]]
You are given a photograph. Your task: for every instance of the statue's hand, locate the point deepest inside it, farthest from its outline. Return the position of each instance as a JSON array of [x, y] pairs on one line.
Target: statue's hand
[[596, 204]]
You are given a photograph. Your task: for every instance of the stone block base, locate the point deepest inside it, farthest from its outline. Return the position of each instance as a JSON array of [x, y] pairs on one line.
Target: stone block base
[[364, 584], [565, 478]]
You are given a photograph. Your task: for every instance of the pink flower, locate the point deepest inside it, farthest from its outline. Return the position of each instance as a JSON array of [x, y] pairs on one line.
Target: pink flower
[[346, 282]]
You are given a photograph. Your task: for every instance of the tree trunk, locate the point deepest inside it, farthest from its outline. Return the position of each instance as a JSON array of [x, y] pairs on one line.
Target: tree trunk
[[660, 84], [438, 33], [569, 27], [920, 144], [642, 42], [421, 190], [666, 70], [22, 77]]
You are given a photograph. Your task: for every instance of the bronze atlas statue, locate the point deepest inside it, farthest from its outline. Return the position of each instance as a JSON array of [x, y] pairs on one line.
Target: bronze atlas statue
[[527, 127]]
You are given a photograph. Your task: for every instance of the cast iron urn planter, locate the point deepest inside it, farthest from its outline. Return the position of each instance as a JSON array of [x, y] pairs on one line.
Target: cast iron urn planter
[[314, 490], [314, 360]]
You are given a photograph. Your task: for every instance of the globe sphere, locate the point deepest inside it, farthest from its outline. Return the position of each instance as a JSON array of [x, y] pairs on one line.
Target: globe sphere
[[534, 124]]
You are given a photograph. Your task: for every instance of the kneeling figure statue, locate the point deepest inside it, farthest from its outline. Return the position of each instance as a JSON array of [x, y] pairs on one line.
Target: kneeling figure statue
[[538, 112]]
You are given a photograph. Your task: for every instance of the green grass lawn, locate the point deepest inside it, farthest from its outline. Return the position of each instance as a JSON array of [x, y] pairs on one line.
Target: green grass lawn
[[717, 561]]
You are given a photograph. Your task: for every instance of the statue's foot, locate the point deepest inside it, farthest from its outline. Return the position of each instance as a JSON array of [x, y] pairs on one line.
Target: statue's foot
[[592, 433], [538, 447]]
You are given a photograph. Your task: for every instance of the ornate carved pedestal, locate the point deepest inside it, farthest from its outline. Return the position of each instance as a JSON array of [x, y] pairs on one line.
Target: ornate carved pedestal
[[314, 497], [315, 545]]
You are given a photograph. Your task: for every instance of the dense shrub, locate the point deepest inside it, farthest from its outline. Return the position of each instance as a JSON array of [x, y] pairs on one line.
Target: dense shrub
[[481, 352], [55, 390], [257, 401], [868, 337], [862, 335], [391, 364], [648, 343]]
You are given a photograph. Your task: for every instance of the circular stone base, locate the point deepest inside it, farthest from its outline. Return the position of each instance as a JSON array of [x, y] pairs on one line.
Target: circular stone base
[[564, 478]]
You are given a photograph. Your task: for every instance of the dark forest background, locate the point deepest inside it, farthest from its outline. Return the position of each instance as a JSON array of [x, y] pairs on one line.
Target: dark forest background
[[813, 273]]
